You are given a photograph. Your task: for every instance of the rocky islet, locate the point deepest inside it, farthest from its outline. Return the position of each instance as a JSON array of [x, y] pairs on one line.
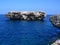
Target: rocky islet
[[25, 15]]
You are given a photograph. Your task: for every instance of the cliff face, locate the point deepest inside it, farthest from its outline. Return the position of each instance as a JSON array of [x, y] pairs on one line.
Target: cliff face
[[26, 15], [55, 20]]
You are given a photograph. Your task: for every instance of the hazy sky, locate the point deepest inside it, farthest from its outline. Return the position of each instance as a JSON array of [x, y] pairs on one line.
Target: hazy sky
[[49, 6]]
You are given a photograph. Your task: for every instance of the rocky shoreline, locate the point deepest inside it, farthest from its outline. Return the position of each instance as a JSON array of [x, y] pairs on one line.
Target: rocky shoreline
[[25, 15], [57, 42], [55, 20]]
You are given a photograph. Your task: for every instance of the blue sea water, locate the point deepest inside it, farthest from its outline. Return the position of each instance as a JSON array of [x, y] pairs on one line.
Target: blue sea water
[[27, 32]]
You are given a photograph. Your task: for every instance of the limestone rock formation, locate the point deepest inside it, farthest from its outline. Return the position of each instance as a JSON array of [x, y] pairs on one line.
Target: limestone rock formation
[[55, 20], [25, 15]]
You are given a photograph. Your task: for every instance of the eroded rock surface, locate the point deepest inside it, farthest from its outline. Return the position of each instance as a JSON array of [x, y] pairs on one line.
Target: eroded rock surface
[[57, 42], [55, 20], [25, 15]]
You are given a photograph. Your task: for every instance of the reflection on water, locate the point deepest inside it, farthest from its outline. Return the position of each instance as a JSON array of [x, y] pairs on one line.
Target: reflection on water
[[27, 32]]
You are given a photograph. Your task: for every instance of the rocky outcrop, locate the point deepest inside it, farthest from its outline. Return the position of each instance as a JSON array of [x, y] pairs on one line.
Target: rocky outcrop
[[25, 15], [55, 20], [57, 42]]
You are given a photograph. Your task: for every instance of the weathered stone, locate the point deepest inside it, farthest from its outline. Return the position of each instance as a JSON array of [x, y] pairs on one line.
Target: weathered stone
[[57, 42], [26, 15], [55, 20]]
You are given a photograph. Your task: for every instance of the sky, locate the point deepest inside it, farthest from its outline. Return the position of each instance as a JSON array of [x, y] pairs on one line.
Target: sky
[[48, 6]]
